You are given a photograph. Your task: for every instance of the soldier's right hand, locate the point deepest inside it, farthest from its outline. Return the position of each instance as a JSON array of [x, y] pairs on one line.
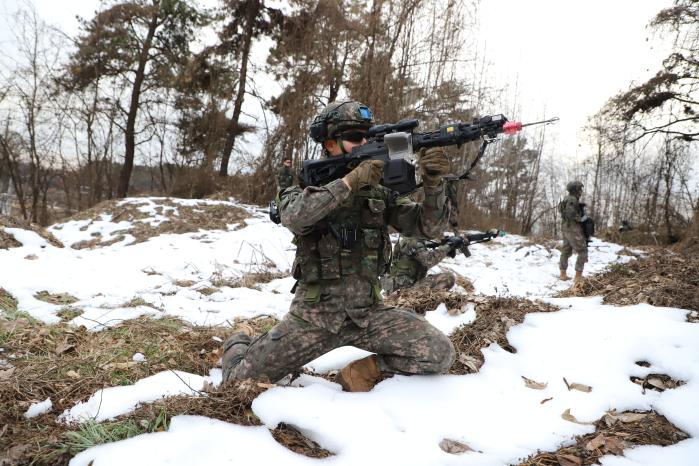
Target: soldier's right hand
[[367, 173]]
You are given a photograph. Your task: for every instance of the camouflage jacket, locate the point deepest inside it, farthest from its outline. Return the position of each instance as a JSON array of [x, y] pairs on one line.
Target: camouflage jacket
[[285, 177], [412, 258], [343, 245], [571, 212]]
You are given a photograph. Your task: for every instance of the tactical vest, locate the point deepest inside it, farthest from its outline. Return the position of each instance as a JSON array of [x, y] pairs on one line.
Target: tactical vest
[[562, 209], [353, 239]]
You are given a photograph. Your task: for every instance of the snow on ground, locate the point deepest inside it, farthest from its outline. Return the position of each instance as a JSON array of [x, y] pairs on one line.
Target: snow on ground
[[511, 266], [403, 419], [107, 279]]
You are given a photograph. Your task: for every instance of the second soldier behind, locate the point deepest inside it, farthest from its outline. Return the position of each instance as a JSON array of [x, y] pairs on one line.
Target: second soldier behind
[[413, 258], [572, 216], [285, 174]]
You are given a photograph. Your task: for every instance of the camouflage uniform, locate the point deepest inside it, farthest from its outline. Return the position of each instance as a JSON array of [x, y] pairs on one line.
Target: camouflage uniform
[[573, 237], [285, 177], [410, 263], [342, 248]]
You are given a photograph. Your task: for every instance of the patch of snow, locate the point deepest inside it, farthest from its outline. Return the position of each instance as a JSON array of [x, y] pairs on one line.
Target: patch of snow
[[111, 402], [28, 238], [37, 409]]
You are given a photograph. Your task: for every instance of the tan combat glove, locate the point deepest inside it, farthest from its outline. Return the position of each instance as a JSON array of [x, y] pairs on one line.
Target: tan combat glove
[[434, 164], [367, 173]]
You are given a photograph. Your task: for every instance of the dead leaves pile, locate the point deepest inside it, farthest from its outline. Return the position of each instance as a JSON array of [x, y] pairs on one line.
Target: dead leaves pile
[[614, 432], [664, 278], [494, 317], [422, 300], [292, 438]]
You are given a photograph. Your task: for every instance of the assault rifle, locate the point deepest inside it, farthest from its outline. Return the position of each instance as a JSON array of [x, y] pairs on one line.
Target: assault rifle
[[587, 224], [462, 242], [396, 143]]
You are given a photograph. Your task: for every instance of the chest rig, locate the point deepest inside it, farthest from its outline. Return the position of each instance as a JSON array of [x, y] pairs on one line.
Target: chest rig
[[352, 240]]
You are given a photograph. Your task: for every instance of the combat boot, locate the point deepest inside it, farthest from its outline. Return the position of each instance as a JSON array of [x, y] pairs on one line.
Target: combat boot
[[234, 349], [578, 281], [564, 276], [359, 376]]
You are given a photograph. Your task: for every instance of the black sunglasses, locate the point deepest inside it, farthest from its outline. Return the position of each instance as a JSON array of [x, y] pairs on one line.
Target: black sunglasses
[[352, 136]]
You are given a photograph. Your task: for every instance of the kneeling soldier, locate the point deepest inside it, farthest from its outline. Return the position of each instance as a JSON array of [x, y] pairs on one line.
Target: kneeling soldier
[[341, 233]]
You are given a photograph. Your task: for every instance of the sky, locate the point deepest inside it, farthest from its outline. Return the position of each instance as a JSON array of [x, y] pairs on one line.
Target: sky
[[556, 57], [566, 58]]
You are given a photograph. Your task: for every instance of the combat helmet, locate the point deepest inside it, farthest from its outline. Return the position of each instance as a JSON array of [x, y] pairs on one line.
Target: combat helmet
[[340, 116], [574, 187]]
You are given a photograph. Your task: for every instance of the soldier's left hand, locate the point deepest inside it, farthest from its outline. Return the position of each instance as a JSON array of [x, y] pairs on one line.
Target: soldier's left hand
[[434, 164]]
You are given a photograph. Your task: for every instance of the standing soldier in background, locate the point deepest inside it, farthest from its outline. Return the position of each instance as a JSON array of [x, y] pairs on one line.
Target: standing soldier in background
[[285, 174], [341, 233], [572, 216], [411, 261]]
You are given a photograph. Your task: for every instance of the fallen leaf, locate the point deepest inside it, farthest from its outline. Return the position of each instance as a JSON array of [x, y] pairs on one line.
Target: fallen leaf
[[615, 445], [534, 385], [610, 418], [6, 372], [64, 348], [657, 383], [568, 460], [570, 418], [454, 447], [4, 429], [580, 387], [469, 361], [14, 454], [72, 374], [545, 400], [595, 443], [631, 417]]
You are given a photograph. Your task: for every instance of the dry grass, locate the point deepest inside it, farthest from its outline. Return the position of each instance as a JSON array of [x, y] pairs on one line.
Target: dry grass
[[248, 280], [8, 241], [612, 435], [69, 364], [664, 278], [55, 298]]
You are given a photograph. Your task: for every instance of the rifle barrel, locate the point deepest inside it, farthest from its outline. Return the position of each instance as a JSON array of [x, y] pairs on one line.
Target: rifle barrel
[[549, 121]]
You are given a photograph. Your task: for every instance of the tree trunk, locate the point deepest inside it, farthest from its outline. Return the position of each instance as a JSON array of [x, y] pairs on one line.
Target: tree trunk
[[130, 131], [233, 129]]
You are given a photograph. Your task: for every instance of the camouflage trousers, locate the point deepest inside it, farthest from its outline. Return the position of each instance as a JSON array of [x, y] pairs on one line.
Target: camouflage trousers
[[573, 241], [404, 342], [439, 281]]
